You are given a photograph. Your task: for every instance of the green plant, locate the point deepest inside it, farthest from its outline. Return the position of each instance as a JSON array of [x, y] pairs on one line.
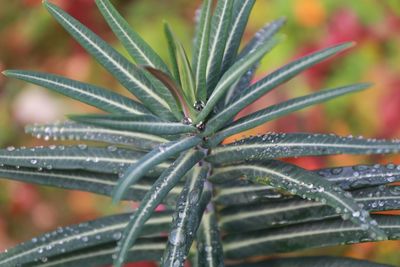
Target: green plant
[[166, 149]]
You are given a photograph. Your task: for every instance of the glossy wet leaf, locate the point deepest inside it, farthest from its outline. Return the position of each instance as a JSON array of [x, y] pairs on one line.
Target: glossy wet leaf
[[144, 124], [308, 186], [82, 132], [146, 249], [304, 236], [287, 145], [190, 207], [145, 164], [209, 246], [73, 238], [168, 180], [94, 182], [293, 211], [81, 157]]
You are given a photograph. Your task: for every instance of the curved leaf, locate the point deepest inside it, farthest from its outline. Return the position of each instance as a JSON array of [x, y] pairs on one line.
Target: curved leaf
[[144, 249], [153, 198], [124, 71], [145, 164], [270, 82], [231, 76], [257, 118], [307, 185], [87, 93], [262, 36], [200, 50], [182, 65], [139, 50], [287, 145], [190, 207], [144, 124], [320, 261], [294, 211], [302, 236], [80, 132], [77, 237], [238, 191], [100, 159], [94, 182], [209, 246], [219, 33], [240, 16]]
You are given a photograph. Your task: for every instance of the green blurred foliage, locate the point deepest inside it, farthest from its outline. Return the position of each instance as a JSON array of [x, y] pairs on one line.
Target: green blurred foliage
[[30, 39]]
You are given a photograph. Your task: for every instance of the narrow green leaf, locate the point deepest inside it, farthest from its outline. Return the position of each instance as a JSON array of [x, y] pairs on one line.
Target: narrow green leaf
[[294, 211], [94, 182], [307, 185], [275, 111], [130, 76], [276, 145], [240, 17], [73, 238], [81, 157], [144, 124], [209, 246], [172, 52], [200, 51], [146, 249], [320, 261], [153, 198], [302, 236], [187, 216], [219, 33], [231, 76], [145, 164], [237, 192], [361, 176], [80, 132], [262, 36], [270, 82], [90, 94], [139, 50], [181, 62]]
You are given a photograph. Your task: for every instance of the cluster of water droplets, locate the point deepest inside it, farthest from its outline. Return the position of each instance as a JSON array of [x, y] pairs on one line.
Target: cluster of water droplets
[[360, 176]]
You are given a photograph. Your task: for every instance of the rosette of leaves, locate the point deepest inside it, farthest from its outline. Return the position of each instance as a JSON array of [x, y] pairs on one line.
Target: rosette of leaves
[[222, 204]]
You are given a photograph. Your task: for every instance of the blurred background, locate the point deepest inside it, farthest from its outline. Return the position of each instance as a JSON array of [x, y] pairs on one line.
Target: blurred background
[[30, 39]]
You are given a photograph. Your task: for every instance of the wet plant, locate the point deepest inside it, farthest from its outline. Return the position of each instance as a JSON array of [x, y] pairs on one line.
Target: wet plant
[[223, 203]]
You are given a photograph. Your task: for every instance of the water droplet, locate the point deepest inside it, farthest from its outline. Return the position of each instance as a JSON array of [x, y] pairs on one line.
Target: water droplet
[[199, 105], [82, 146], [112, 148], [187, 121], [176, 237], [117, 235]]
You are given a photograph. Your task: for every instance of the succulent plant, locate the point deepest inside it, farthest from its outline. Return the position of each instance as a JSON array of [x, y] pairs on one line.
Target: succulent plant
[[223, 203]]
